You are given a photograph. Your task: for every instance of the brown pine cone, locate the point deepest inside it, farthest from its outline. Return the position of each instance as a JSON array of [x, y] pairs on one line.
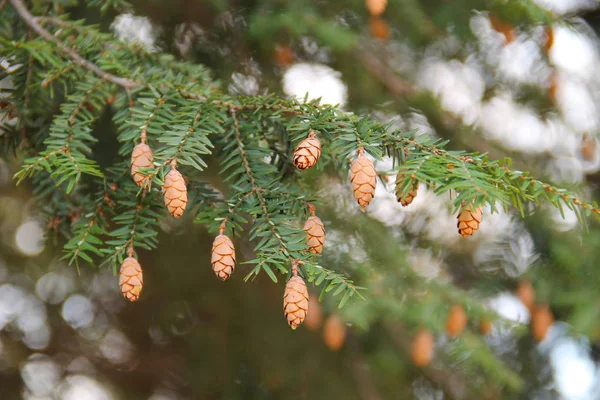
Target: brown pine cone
[[131, 279], [408, 198], [334, 332], [175, 193], [315, 231], [485, 326], [541, 321], [421, 349], [526, 293], [315, 317], [364, 179], [457, 320], [295, 299], [141, 157], [307, 152], [468, 220], [376, 7], [223, 256]]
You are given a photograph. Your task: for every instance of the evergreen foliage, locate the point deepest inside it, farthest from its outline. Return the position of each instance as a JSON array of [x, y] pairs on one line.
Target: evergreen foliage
[[67, 75]]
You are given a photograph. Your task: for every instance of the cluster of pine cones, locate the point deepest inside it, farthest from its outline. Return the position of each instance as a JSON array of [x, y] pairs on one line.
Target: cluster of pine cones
[[363, 178]]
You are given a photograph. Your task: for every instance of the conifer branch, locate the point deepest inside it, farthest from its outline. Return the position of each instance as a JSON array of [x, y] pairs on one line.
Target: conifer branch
[[31, 21]]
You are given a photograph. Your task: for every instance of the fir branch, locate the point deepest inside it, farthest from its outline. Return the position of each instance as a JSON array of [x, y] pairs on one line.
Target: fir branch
[[30, 20]]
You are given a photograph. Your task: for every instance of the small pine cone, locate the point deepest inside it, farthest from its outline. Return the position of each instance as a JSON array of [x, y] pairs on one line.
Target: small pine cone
[[457, 320], [295, 301], [307, 152], [485, 326], [376, 7], [141, 157], [421, 349], [407, 199], [315, 317], [334, 332], [223, 257], [175, 193], [468, 220], [131, 279], [364, 179], [315, 231], [541, 321], [526, 293]]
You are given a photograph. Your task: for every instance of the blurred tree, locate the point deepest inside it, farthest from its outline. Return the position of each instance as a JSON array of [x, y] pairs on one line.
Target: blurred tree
[[193, 102]]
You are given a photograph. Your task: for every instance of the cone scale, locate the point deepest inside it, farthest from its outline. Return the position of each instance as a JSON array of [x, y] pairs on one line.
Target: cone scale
[[295, 298], [223, 255], [363, 177], [315, 232], [131, 278], [307, 152], [175, 192]]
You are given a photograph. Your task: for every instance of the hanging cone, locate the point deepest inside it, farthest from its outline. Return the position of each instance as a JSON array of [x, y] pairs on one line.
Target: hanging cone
[[284, 55], [379, 28], [485, 326], [141, 157], [468, 220], [376, 7], [364, 179], [315, 317], [295, 299], [541, 321], [457, 320], [408, 198], [421, 349], [307, 152], [223, 256], [588, 147], [334, 332], [526, 293], [315, 230], [175, 193], [131, 279]]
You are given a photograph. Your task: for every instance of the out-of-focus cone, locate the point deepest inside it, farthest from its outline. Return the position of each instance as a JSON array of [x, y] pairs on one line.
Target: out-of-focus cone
[[541, 321], [408, 198], [469, 220], [504, 28], [588, 149], [364, 179], [307, 152], [284, 55], [379, 28], [175, 193], [141, 157], [485, 326], [334, 332], [314, 318], [548, 39], [223, 255], [295, 299], [457, 320], [526, 293], [421, 349], [376, 7], [315, 230], [131, 278]]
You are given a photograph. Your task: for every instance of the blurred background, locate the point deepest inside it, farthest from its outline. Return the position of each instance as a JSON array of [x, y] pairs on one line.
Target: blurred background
[[509, 78]]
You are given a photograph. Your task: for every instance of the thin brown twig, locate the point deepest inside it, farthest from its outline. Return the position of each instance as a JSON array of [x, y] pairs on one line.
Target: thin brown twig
[[31, 21]]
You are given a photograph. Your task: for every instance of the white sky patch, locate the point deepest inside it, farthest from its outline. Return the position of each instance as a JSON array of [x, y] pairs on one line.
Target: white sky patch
[[459, 86], [130, 28], [515, 126], [574, 53], [318, 80], [510, 307], [575, 373], [564, 6]]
